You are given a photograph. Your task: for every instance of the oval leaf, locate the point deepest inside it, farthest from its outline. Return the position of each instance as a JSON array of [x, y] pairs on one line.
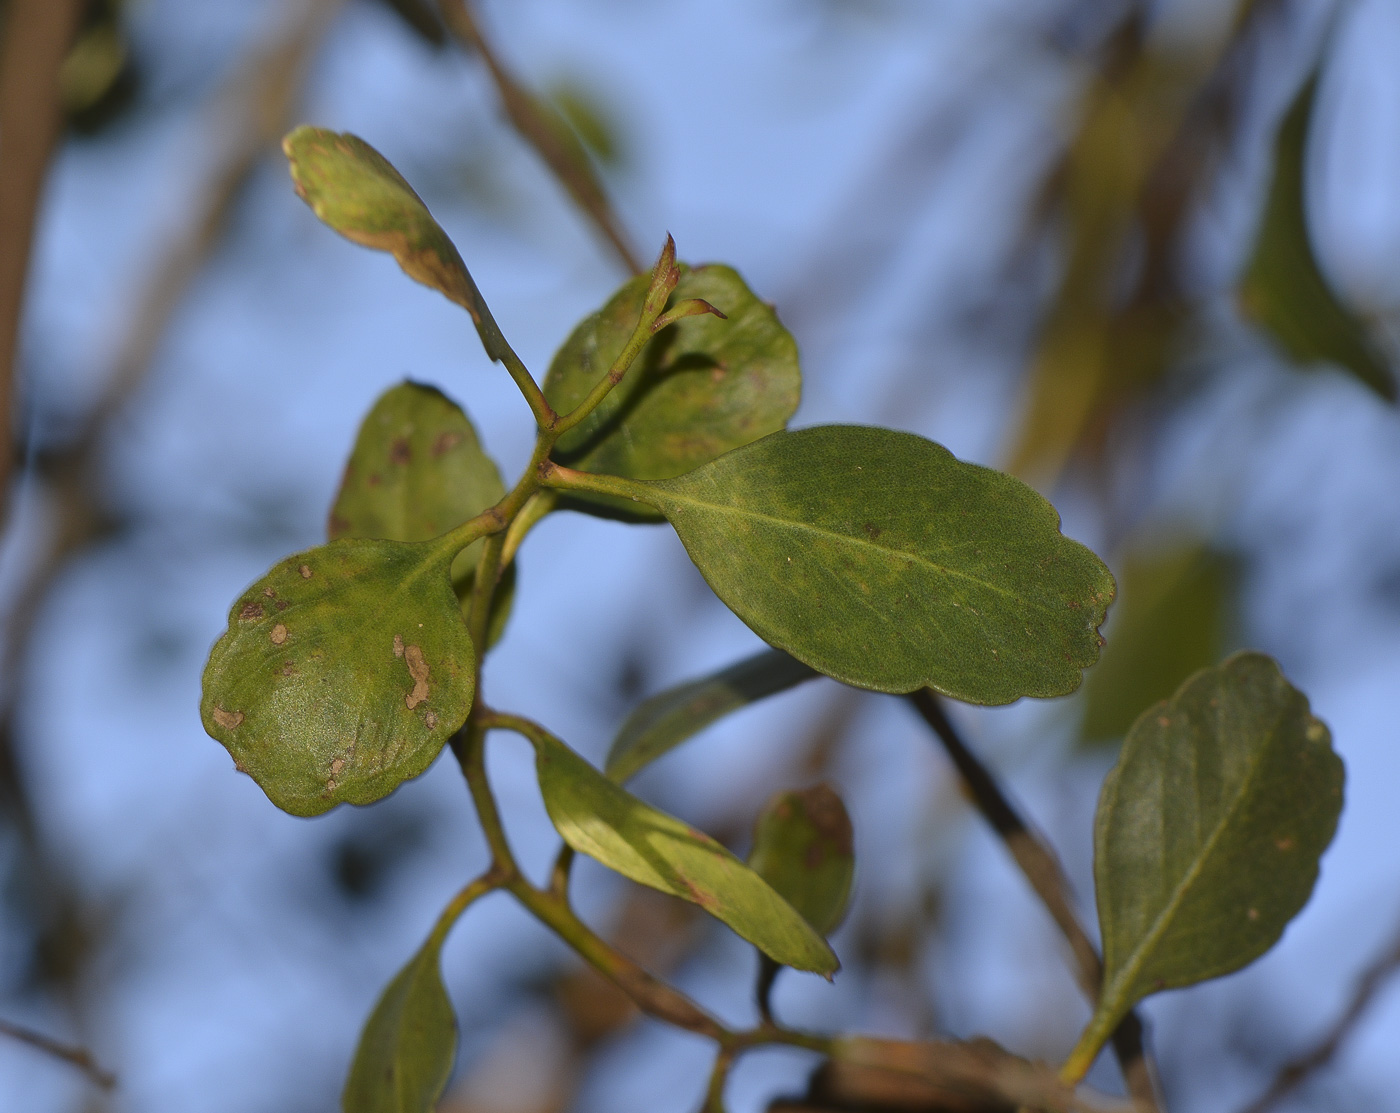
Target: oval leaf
[[416, 471], [1283, 288], [343, 672], [803, 846], [409, 1042], [880, 559], [700, 387], [598, 818], [1209, 830], [667, 719], [355, 189]]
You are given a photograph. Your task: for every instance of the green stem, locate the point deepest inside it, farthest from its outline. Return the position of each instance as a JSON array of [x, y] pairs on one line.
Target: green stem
[[469, 745], [488, 882], [536, 507], [664, 277], [719, 1075], [545, 417], [1091, 1041], [566, 479]]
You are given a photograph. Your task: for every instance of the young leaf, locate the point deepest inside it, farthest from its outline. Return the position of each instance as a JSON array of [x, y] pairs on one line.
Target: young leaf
[[406, 1050], [343, 672], [802, 846], [1283, 288], [598, 818], [667, 719], [355, 189], [416, 471], [699, 388], [880, 559], [1208, 833]]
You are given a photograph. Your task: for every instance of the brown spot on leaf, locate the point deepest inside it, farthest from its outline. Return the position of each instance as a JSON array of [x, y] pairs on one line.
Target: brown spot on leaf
[[827, 814], [418, 669], [279, 634], [251, 612], [446, 442], [373, 481], [1163, 721], [1253, 914], [1285, 843], [398, 645], [226, 719], [430, 720], [281, 604], [400, 452], [872, 530], [269, 592], [305, 571], [338, 527], [289, 669]]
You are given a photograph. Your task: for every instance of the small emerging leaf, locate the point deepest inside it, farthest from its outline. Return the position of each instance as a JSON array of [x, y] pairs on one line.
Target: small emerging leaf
[[343, 672], [667, 719], [598, 818], [1208, 832], [417, 470], [409, 1042], [1283, 287], [700, 387], [880, 559], [355, 189], [803, 847]]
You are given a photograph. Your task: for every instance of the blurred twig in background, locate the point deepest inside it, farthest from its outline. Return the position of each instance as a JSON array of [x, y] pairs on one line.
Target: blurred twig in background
[[545, 131], [1298, 1070], [79, 1057], [37, 34]]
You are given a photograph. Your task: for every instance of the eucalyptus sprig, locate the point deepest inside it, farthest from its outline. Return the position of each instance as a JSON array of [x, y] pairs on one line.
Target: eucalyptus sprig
[[866, 555]]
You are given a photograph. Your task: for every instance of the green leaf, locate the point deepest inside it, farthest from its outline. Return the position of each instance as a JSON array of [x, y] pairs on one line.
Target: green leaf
[[1168, 621], [417, 470], [343, 672], [880, 559], [1283, 288], [1208, 832], [598, 818], [355, 189], [803, 847], [699, 388], [406, 1050], [667, 719]]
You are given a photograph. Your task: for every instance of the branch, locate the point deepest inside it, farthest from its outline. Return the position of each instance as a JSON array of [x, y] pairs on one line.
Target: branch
[[1298, 1070], [77, 1056], [37, 34], [1042, 869], [566, 160]]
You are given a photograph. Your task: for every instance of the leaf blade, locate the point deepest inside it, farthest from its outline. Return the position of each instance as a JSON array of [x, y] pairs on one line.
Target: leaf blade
[[662, 722], [355, 190], [599, 818], [342, 673], [881, 560], [406, 1050], [1209, 830], [803, 846]]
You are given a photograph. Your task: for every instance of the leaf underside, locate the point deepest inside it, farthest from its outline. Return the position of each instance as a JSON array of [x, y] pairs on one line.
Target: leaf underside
[[878, 558], [1209, 829], [603, 820], [342, 674], [663, 722]]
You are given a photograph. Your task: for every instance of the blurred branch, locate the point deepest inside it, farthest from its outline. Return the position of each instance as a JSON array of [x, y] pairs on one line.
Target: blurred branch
[[1298, 1070], [550, 138], [36, 38], [79, 1057], [1042, 869]]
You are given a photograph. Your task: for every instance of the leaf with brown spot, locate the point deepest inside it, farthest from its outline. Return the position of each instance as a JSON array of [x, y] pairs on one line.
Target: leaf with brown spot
[[803, 847], [603, 820], [354, 189], [417, 470], [321, 707]]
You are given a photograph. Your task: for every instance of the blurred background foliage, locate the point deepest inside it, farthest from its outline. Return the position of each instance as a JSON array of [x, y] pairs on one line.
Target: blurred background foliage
[[1143, 255]]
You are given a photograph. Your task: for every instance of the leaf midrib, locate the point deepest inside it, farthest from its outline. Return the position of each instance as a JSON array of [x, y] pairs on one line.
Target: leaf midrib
[[1161, 922], [858, 542]]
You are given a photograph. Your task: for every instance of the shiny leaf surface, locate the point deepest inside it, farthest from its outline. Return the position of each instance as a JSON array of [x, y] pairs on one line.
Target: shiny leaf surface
[[598, 818], [880, 559], [667, 719], [343, 672]]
